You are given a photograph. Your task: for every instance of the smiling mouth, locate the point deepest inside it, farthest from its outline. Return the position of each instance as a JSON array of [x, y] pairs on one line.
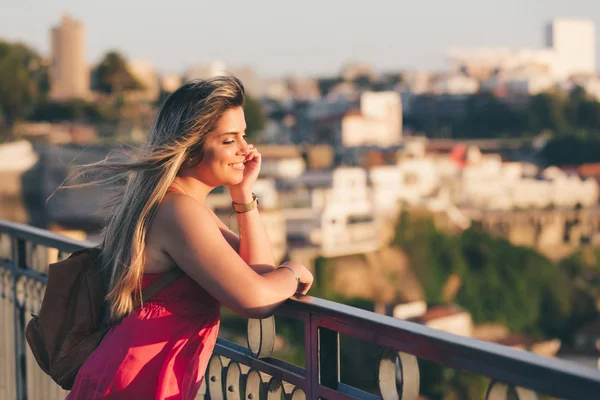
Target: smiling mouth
[[239, 165]]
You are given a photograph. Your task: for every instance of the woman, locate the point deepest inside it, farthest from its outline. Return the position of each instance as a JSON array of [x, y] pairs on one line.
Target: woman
[[161, 222]]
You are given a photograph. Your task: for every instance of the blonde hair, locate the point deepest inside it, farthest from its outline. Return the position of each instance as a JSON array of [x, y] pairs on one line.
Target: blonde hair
[[183, 122]]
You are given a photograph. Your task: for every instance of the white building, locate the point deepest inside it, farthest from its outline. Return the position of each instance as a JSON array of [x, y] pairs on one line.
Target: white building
[[253, 84], [283, 162], [170, 82], [276, 89], [574, 42], [145, 74], [69, 72], [571, 50], [505, 186], [339, 217], [450, 318], [529, 85], [386, 189], [205, 71], [455, 84], [379, 122], [354, 70]]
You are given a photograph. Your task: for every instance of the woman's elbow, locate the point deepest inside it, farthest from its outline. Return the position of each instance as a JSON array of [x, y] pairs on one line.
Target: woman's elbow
[[259, 307]]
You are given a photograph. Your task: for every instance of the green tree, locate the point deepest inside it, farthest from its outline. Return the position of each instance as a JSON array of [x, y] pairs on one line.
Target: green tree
[[111, 75], [21, 77], [486, 116], [363, 82], [255, 118], [500, 283], [74, 110], [326, 84], [582, 111], [547, 111], [570, 149]]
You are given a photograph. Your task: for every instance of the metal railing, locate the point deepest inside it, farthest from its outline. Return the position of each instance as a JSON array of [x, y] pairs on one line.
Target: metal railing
[[252, 372]]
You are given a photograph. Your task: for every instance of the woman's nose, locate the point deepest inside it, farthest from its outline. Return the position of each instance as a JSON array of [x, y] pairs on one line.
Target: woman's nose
[[244, 148]]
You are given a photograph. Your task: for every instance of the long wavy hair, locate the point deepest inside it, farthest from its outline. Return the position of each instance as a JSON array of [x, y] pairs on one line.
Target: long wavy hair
[[183, 122]]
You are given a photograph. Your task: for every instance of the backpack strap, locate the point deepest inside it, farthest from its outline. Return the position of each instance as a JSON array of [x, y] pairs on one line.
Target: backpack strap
[[162, 282]]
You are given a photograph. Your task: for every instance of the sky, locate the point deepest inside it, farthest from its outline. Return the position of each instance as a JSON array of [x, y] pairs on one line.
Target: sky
[[305, 38]]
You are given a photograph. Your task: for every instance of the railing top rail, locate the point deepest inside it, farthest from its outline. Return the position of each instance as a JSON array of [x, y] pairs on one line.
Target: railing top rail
[[42, 236], [496, 361]]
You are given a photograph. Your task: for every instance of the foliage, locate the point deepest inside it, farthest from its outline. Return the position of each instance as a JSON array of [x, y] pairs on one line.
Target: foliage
[[571, 150], [363, 82], [582, 270], [111, 75], [23, 80], [326, 84], [74, 110], [484, 115], [501, 283], [443, 383], [255, 118]]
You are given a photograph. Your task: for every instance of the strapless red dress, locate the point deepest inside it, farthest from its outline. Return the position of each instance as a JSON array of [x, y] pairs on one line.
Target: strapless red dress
[[160, 351]]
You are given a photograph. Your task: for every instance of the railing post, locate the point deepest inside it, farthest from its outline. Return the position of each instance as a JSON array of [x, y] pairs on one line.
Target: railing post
[[19, 261], [311, 355]]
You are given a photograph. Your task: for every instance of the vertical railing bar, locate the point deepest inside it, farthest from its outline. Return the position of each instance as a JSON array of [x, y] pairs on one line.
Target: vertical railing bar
[[312, 356], [19, 261]]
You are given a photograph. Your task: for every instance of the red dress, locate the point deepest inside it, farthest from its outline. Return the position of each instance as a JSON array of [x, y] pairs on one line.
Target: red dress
[[159, 351]]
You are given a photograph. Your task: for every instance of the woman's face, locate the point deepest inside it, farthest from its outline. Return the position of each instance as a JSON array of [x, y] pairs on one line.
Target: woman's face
[[224, 151]]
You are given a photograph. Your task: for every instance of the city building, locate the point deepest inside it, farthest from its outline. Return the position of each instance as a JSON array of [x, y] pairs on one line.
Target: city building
[[303, 88], [282, 161], [253, 84], [454, 84], [574, 43], [448, 318], [571, 49], [353, 70], [517, 84], [276, 89], [69, 72], [145, 74], [378, 123], [205, 71], [170, 82], [333, 211]]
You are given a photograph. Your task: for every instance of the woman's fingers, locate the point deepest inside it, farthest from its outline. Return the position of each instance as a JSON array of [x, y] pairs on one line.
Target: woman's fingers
[[303, 288], [252, 154]]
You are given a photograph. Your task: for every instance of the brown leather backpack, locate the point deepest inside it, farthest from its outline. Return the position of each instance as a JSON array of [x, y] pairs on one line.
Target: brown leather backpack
[[72, 322]]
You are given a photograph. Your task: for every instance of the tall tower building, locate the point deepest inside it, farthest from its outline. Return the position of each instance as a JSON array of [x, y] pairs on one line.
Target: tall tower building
[[574, 43], [69, 73]]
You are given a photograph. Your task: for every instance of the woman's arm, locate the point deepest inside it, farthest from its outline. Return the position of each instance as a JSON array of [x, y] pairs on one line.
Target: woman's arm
[[254, 245], [202, 252]]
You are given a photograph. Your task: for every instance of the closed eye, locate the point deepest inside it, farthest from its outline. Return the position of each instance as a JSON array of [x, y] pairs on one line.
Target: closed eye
[[230, 141]]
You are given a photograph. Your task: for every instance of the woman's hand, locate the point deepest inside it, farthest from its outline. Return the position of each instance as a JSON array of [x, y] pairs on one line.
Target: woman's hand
[[306, 277], [242, 192]]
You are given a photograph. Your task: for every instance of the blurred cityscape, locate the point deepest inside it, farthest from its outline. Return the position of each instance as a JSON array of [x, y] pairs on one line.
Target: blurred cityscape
[[464, 199]]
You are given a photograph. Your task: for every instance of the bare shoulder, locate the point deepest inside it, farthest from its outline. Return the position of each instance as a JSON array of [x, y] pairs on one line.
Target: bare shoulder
[[177, 211]]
